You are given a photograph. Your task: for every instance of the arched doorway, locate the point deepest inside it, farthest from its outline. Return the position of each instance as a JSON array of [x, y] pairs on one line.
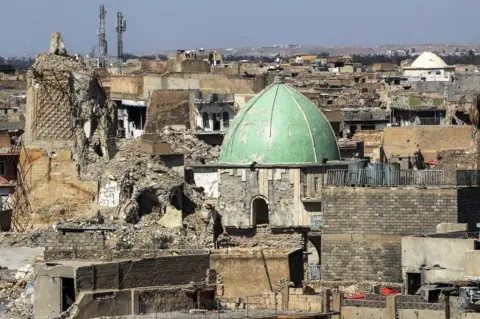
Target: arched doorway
[[314, 248], [259, 211]]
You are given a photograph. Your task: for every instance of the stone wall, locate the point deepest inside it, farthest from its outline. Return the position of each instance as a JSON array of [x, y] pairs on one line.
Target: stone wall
[[206, 82], [65, 245], [92, 245], [241, 272], [452, 160], [51, 178], [151, 272], [363, 227], [124, 86], [239, 187], [430, 139]]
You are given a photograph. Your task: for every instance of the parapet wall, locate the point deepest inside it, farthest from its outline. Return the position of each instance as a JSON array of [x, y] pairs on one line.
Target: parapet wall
[[149, 272], [92, 245]]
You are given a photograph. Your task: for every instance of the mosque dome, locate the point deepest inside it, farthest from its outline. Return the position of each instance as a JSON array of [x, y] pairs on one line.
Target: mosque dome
[[279, 126], [428, 60]]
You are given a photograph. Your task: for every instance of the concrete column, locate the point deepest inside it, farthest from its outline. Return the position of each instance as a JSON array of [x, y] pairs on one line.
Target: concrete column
[[391, 307], [337, 303]]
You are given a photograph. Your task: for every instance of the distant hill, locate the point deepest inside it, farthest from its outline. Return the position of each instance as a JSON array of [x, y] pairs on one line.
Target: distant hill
[[291, 50]]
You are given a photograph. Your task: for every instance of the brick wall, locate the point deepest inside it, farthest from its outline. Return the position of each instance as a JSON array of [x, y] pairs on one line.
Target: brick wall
[[167, 107], [160, 271], [65, 245], [363, 226], [53, 185]]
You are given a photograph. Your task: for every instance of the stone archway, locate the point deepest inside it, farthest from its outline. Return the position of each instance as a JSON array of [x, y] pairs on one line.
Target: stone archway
[[260, 211]]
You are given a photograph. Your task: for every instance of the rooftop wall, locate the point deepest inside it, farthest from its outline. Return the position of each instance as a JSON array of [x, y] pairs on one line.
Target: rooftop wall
[[126, 86], [405, 141], [206, 82], [151, 272]]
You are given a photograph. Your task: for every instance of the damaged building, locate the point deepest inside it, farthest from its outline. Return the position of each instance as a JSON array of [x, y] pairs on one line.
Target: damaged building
[[301, 187], [68, 116], [211, 115]]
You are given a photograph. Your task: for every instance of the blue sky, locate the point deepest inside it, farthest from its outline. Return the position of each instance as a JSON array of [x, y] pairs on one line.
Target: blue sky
[[173, 24]]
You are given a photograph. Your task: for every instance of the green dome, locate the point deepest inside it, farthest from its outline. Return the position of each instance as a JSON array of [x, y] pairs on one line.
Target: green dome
[[279, 126]]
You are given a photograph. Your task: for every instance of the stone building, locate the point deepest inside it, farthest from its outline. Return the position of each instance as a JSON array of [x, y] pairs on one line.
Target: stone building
[[268, 181]]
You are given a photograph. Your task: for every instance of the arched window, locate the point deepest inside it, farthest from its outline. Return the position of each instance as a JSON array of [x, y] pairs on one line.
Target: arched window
[[206, 120], [259, 211], [226, 120]]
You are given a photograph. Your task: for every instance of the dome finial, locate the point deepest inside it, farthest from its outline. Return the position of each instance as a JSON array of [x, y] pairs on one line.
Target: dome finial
[[278, 79]]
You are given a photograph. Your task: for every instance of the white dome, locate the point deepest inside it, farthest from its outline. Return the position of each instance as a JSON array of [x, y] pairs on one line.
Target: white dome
[[428, 60]]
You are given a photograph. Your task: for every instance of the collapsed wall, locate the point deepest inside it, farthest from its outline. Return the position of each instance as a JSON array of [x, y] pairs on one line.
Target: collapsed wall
[[69, 119]]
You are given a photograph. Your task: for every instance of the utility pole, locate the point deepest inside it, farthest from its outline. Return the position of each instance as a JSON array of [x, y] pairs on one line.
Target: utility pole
[[102, 60], [121, 28]]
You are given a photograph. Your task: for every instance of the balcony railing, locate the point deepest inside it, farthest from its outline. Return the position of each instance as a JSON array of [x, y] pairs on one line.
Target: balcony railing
[[315, 272], [369, 177], [316, 222]]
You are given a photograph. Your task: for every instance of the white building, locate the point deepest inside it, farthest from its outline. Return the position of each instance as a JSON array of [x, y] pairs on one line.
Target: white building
[[429, 67]]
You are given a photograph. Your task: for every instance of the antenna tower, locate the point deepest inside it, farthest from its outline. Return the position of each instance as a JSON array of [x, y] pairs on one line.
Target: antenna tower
[[102, 60], [121, 28]]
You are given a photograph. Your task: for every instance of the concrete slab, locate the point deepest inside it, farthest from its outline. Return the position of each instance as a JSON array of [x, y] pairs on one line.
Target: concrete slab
[[18, 257]]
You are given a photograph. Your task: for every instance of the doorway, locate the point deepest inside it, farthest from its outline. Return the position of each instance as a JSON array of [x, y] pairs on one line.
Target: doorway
[[260, 211], [414, 282], [68, 293]]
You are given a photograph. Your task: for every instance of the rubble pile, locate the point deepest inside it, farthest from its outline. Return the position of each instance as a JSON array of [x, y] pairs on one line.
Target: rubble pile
[[185, 142], [261, 238], [17, 291], [30, 238], [148, 234], [457, 160]]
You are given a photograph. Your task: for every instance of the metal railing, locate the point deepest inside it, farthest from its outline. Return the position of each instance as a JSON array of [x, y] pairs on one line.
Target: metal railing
[[175, 306], [369, 177], [316, 222], [315, 272]]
